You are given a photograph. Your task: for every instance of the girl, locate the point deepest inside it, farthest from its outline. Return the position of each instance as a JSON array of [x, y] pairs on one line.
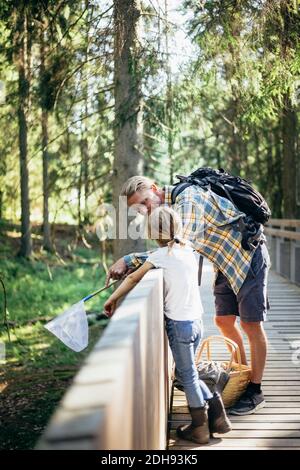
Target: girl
[[183, 311]]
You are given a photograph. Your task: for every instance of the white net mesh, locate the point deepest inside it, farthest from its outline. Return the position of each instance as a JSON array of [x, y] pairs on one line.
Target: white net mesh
[[71, 327]]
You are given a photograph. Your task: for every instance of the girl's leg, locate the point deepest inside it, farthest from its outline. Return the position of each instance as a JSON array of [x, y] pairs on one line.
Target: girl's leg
[[218, 421], [182, 336], [204, 388]]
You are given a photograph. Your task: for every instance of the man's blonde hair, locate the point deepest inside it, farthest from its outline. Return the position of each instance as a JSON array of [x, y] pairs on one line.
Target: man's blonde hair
[[134, 184], [164, 224]]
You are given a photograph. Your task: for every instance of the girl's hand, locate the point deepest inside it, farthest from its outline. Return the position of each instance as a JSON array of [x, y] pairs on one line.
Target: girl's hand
[[110, 307]]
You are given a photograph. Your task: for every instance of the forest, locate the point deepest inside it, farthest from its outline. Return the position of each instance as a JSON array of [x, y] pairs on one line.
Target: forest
[[93, 92]]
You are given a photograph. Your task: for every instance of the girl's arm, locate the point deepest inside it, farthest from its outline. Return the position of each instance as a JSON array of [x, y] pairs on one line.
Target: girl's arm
[[129, 283]]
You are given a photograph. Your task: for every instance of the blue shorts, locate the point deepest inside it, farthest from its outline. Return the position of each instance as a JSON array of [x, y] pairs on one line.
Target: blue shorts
[[251, 302]]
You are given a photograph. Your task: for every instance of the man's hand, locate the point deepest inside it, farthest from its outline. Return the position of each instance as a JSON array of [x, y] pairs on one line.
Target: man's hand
[[117, 271], [110, 307]]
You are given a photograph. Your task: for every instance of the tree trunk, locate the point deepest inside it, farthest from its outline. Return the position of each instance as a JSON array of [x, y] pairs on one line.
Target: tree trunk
[[79, 219], [278, 197], [233, 108], [1, 204], [258, 168], [169, 100], [23, 105], [269, 184], [86, 190], [289, 119], [289, 141], [47, 244], [234, 140], [128, 127], [218, 153], [84, 138]]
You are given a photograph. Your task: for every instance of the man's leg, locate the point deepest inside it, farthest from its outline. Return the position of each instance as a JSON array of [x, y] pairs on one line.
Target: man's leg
[[258, 347], [252, 304], [253, 398], [228, 327]]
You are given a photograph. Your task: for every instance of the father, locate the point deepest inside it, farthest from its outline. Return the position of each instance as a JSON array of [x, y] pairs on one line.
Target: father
[[210, 223]]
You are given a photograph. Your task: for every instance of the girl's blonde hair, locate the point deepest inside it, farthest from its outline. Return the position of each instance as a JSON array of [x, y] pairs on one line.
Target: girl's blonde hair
[[164, 226]]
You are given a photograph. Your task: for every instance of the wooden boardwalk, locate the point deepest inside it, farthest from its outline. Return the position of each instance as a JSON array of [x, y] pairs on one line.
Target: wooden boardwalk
[[277, 426]]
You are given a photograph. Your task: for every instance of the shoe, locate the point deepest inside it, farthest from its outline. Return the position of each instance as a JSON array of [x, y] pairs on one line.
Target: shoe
[[248, 403], [217, 419], [178, 385], [198, 430]]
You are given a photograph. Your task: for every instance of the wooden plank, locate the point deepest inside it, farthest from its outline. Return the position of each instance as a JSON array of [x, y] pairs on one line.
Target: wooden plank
[[282, 401], [272, 355], [281, 373], [285, 321], [278, 382], [258, 434], [262, 411], [257, 418], [284, 222], [274, 341], [277, 347], [282, 233], [292, 314], [277, 425], [273, 426], [281, 390], [250, 426], [282, 365], [220, 448], [271, 402], [260, 442]]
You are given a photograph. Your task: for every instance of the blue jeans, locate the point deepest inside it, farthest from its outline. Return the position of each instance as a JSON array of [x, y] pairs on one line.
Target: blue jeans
[[184, 338]]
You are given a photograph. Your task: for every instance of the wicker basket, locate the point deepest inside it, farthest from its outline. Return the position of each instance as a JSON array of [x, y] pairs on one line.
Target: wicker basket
[[239, 374]]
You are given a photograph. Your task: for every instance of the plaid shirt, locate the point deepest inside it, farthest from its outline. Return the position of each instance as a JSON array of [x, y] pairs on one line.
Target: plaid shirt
[[210, 224]]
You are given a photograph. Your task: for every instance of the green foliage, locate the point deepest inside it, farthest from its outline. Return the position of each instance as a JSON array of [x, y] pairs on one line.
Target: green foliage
[[225, 107], [77, 67], [246, 70], [38, 366]]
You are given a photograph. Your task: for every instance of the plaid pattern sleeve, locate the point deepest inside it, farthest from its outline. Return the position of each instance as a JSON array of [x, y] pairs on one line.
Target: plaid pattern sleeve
[[135, 260], [210, 223]]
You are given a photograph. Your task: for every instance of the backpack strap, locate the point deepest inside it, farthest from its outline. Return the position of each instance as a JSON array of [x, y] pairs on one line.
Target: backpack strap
[[200, 267], [241, 222], [178, 189], [181, 186]]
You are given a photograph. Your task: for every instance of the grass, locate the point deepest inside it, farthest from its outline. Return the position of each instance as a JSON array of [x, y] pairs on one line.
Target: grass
[[38, 367], [41, 288]]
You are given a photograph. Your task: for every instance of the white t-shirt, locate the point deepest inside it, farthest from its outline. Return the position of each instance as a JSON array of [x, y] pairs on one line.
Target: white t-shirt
[[181, 291]]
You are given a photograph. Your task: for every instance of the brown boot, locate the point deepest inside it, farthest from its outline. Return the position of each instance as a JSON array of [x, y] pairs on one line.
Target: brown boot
[[197, 431], [217, 418]]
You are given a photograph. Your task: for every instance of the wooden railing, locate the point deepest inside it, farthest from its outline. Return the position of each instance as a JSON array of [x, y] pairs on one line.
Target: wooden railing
[[284, 243], [120, 398]]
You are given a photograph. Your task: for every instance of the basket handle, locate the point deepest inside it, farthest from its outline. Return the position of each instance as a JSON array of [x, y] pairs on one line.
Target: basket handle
[[233, 345]]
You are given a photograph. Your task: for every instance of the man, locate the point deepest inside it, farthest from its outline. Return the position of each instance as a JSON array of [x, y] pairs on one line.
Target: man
[[210, 223]]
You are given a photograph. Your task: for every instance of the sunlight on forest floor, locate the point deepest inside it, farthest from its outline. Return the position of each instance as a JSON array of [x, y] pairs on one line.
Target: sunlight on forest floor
[[38, 367]]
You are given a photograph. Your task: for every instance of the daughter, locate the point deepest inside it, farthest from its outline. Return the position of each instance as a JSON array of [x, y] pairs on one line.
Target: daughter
[[183, 311]]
